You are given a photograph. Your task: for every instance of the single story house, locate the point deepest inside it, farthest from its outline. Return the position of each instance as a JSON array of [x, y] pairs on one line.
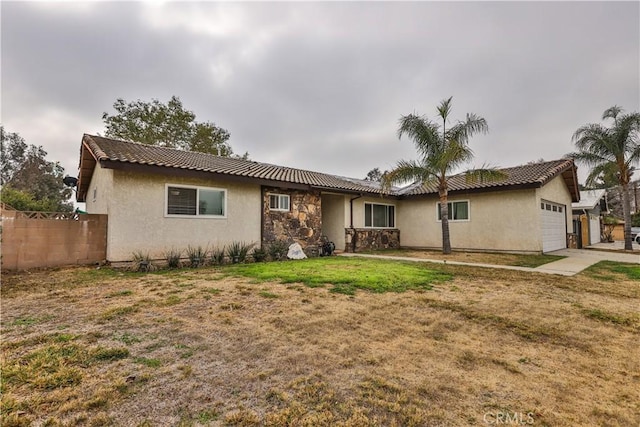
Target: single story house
[[159, 198], [587, 216]]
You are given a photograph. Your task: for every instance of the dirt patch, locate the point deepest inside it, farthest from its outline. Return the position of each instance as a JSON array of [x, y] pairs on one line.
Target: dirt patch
[[193, 347]]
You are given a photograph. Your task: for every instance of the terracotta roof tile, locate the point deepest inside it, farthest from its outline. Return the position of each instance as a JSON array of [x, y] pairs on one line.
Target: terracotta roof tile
[[535, 174], [131, 152]]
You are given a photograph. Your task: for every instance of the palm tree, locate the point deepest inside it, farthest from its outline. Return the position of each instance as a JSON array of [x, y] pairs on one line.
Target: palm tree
[[611, 150], [441, 151]]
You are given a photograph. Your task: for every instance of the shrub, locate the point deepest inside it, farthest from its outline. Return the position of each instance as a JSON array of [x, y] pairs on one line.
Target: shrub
[[197, 255], [173, 258], [259, 254], [141, 261], [278, 250], [237, 251], [217, 256]]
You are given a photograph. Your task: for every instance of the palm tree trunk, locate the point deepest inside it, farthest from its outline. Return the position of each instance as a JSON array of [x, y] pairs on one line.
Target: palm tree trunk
[[444, 216], [626, 212]]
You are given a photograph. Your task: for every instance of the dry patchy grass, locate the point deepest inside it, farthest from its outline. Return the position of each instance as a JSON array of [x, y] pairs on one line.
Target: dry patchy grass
[[520, 260], [197, 347]]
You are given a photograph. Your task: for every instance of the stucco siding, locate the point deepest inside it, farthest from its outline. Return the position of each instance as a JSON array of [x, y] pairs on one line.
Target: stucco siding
[[333, 219], [100, 191], [501, 221], [137, 220]]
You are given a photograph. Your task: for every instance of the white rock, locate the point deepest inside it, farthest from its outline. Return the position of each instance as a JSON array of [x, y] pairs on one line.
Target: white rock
[[296, 252]]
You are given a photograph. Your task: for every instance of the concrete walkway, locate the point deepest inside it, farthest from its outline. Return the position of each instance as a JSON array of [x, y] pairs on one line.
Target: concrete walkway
[[576, 260]]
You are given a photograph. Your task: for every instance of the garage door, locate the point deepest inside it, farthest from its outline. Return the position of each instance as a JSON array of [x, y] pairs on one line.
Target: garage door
[[554, 230]]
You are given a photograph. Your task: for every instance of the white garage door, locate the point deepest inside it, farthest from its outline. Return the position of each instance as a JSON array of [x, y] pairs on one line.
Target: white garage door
[[554, 231]]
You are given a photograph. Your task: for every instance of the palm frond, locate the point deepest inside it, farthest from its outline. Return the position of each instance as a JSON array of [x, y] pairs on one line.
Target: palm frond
[[485, 174], [463, 131], [626, 133], [422, 132], [590, 159], [454, 155], [444, 108], [408, 171], [612, 112], [603, 172]]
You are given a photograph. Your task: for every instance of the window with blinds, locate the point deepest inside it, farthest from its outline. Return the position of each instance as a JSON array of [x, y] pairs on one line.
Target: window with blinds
[[195, 201]]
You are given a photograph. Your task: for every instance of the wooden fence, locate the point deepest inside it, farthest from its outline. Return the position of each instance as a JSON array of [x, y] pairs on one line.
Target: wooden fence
[[51, 239]]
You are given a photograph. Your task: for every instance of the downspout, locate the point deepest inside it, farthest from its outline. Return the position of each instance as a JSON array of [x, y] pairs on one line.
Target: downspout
[[353, 239]]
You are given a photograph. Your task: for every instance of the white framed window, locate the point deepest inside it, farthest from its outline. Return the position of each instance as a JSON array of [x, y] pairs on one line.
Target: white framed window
[[279, 202], [379, 215], [457, 211], [190, 201]]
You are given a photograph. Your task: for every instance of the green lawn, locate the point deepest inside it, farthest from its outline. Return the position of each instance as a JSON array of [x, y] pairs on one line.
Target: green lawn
[[606, 270], [345, 275]]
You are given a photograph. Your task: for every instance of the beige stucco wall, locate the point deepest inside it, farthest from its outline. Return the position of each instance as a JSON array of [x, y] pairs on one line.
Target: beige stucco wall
[[333, 218], [102, 184], [498, 221], [501, 221], [137, 219]]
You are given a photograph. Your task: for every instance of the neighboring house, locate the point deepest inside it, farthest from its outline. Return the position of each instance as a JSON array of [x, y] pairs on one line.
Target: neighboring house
[[587, 216], [158, 198]]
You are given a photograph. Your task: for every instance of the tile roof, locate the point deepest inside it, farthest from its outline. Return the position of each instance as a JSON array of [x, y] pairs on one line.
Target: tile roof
[[106, 150], [530, 175]]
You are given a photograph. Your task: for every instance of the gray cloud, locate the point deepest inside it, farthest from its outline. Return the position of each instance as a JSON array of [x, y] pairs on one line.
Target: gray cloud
[[321, 85]]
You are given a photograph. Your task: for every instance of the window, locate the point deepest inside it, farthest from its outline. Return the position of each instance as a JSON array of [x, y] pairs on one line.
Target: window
[[379, 216], [196, 201], [457, 211], [279, 202]]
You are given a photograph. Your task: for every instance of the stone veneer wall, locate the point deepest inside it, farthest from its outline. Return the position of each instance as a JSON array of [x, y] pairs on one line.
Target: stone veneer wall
[[371, 238], [302, 224]]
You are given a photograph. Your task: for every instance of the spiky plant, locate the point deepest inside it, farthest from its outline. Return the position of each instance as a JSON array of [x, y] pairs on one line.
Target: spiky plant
[[172, 256], [197, 255], [217, 255]]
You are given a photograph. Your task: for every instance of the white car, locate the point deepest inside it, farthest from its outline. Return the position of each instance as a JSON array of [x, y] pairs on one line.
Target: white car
[[635, 234]]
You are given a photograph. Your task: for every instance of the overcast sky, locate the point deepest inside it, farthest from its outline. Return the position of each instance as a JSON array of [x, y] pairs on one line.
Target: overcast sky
[[321, 86]]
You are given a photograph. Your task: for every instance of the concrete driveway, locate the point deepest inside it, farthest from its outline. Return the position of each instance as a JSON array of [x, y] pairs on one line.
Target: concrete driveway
[[578, 259]]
